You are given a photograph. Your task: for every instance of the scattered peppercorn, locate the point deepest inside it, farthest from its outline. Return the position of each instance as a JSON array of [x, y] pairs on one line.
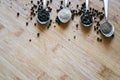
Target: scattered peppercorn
[[30, 18], [35, 6], [31, 1], [57, 10], [98, 38], [61, 2], [26, 23], [74, 37], [18, 14], [94, 28], [77, 26], [77, 5], [38, 2], [113, 35], [98, 24], [30, 40], [34, 24], [47, 3], [69, 3], [102, 8], [38, 34], [98, 32]]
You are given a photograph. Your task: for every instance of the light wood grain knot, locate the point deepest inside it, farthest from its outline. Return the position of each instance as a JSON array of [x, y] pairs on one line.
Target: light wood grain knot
[[64, 77], [108, 74]]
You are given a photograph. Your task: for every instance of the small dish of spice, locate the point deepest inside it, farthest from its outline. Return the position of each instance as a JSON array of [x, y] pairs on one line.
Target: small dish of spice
[[43, 16], [64, 14], [87, 18]]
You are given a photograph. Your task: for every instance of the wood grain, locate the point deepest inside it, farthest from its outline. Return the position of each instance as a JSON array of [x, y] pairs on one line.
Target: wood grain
[[56, 55]]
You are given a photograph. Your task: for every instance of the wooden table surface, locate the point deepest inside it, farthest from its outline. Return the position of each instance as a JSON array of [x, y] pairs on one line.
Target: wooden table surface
[[56, 55]]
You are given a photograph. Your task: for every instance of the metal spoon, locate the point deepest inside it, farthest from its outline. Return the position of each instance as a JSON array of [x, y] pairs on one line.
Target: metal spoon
[[44, 8], [107, 29], [63, 14], [86, 14]]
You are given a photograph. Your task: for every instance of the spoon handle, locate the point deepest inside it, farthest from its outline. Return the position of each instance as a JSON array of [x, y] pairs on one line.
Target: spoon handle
[[44, 4], [65, 3], [87, 5], [106, 9]]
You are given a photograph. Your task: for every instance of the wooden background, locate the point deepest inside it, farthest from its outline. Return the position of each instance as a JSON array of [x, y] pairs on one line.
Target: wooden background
[[56, 55]]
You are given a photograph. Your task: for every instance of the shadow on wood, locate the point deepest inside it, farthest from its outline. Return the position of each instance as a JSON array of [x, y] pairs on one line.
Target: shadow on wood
[[64, 25], [86, 30], [106, 40], [42, 27]]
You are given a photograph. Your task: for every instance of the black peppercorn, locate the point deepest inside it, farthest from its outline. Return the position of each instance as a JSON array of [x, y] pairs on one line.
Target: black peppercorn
[[35, 6], [30, 18], [38, 2], [77, 5], [18, 14], [34, 24], [113, 35], [31, 1], [57, 10], [38, 34], [98, 24], [98, 39], [26, 23], [74, 37], [69, 3], [61, 2], [102, 8], [49, 9], [30, 40], [77, 26], [98, 32], [47, 3]]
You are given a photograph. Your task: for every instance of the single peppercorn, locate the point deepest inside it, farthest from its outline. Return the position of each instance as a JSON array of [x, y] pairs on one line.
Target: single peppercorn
[[38, 34], [26, 23], [18, 14]]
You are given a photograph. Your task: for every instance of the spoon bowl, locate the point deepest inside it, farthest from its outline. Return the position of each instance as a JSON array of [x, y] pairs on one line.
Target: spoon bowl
[[64, 15], [40, 20], [107, 29], [86, 22]]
